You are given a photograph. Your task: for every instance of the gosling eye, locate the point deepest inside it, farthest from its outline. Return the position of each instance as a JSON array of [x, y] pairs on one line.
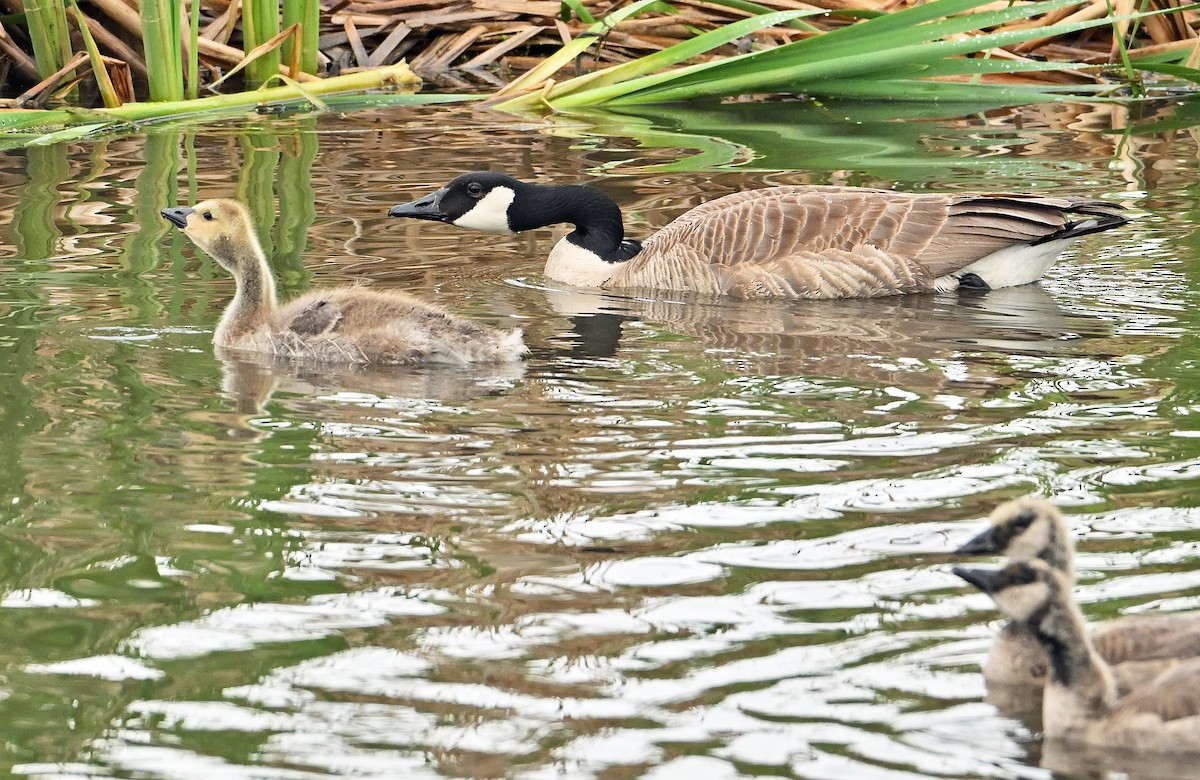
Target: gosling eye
[[475, 190], [207, 215]]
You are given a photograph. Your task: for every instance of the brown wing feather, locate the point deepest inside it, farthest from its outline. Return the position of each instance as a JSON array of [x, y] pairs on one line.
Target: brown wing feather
[[832, 273], [1146, 637], [978, 225], [1171, 696], [761, 226], [825, 242]]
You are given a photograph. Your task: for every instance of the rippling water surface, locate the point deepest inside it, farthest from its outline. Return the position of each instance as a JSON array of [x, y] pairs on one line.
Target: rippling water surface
[[685, 539]]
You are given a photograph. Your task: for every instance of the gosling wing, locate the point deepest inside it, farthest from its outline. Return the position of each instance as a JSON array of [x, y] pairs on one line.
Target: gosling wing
[[319, 316], [1148, 637], [1174, 695]]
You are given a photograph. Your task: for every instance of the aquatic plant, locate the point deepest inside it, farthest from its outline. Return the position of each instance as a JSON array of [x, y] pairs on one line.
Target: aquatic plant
[[48, 33], [642, 52], [31, 126], [942, 50]]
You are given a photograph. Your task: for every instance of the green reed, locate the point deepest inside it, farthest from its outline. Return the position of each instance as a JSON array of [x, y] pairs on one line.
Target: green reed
[[107, 92], [193, 63], [162, 41], [260, 23], [47, 20], [306, 13], [920, 53]]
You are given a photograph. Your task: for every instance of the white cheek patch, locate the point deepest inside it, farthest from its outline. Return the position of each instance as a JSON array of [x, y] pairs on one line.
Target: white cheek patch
[[1022, 601], [490, 214], [1031, 543]]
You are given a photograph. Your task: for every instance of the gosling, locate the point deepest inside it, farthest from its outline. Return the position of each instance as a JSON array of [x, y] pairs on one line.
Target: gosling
[[1138, 646], [1080, 702], [351, 325]]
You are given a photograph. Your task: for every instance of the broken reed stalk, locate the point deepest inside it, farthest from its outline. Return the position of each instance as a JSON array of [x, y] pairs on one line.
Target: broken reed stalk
[[260, 23], [108, 93], [22, 61], [307, 14], [379, 78]]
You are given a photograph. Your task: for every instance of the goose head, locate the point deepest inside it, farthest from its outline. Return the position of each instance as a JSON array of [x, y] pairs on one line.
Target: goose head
[[496, 203], [1023, 590], [479, 201], [1026, 529], [223, 229]]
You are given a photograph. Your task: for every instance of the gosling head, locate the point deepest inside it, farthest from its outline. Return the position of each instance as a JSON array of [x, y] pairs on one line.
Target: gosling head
[[1023, 590], [1038, 596], [478, 201], [222, 228], [1025, 529]]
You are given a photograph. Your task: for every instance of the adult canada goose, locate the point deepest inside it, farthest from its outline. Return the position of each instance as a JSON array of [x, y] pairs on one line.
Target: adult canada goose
[[1080, 702], [783, 242], [343, 324], [1138, 645]]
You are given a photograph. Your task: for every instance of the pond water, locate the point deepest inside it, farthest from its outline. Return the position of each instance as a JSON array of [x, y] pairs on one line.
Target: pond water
[[685, 539]]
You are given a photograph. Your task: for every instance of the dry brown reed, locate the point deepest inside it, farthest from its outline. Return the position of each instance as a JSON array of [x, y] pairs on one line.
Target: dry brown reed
[[473, 44]]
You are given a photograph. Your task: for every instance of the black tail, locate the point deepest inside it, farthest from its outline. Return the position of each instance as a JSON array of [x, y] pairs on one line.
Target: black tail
[[1104, 219]]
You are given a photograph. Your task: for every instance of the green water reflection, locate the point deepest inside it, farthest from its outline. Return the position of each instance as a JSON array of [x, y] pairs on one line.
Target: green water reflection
[[699, 536]]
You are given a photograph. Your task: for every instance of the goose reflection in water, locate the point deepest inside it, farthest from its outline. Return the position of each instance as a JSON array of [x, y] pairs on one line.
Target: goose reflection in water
[[250, 380], [879, 341]]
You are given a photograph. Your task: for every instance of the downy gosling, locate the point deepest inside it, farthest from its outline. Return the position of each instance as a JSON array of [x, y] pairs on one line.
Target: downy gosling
[[783, 242], [1080, 702], [340, 325], [1139, 646]]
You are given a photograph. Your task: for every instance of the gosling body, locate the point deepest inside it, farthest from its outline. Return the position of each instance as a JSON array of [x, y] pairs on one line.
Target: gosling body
[[1136, 647], [342, 325], [793, 242], [1081, 702]]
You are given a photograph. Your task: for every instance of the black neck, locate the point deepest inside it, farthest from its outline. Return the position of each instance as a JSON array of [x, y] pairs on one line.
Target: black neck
[[596, 217], [1052, 553], [1065, 644]]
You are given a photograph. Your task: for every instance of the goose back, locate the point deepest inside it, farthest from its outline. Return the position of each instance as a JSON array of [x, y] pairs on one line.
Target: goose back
[[1172, 696], [357, 325], [1148, 637], [838, 242]]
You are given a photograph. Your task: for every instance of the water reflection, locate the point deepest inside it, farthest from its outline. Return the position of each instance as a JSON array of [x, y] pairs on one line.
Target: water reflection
[[249, 380], [686, 536], [860, 340]]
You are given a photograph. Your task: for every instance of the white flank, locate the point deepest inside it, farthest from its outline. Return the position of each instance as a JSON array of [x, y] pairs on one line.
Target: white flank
[[490, 214], [577, 266], [1011, 266]]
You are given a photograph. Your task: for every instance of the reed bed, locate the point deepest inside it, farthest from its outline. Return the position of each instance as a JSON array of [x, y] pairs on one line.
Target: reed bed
[[164, 49]]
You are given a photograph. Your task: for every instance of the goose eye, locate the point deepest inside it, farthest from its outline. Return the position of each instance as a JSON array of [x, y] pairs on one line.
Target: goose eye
[[475, 190], [207, 215], [1024, 520]]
